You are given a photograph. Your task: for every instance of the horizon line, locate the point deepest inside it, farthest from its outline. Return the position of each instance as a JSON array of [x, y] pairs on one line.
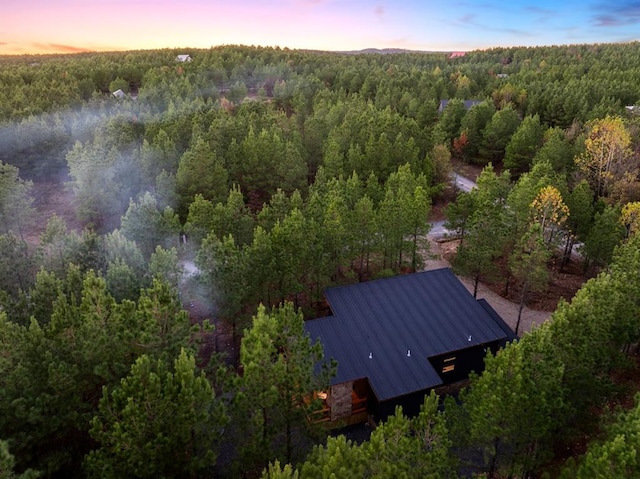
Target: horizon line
[[79, 50]]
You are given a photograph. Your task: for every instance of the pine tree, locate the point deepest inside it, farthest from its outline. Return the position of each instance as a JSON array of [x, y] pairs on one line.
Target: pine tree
[[158, 422], [16, 210], [271, 405], [605, 234], [510, 411], [523, 145], [497, 134], [201, 171], [528, 265], [149, 226]]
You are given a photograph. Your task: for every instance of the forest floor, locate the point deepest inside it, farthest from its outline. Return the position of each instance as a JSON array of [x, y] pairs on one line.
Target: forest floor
[[562, 285], [51, 198]]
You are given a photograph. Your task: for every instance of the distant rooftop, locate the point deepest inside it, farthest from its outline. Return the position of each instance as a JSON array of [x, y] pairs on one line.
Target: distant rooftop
[[467, 104]]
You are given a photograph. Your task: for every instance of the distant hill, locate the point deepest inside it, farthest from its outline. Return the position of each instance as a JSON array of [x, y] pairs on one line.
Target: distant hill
[[385, 51]]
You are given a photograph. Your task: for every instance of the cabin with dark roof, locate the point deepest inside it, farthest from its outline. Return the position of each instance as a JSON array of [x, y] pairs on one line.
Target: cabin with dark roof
[[467, 104], [397, 338]]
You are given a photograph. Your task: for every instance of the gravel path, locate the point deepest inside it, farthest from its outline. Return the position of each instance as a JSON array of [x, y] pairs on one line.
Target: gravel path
[[505, 308]]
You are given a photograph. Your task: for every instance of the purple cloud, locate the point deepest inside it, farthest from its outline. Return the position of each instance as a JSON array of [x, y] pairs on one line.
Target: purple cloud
[[543, 14], [623, 12], [470, 19], [310, 2]]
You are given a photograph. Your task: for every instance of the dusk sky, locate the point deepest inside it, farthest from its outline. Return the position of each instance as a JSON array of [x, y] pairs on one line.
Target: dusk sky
[[58, 26]]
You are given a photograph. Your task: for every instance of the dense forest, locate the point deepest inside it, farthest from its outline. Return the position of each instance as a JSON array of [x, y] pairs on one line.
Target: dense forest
[[254, 178]]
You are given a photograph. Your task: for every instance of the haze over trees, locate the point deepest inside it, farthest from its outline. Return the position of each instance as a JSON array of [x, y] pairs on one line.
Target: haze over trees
[[288, 172]]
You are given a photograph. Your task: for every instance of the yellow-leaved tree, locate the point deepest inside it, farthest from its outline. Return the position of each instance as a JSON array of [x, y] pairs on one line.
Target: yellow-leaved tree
[[607, 158], [550, 211], [630, 217]]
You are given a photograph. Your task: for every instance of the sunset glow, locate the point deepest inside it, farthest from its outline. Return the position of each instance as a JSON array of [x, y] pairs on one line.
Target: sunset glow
[[39, 26]]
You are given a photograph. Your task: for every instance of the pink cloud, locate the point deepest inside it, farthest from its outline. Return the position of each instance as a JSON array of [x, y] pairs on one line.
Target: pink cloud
[[55, 47]]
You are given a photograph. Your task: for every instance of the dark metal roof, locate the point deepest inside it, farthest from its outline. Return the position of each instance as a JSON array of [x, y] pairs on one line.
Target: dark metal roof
[[511, 336], [385, 330], [467, 104]]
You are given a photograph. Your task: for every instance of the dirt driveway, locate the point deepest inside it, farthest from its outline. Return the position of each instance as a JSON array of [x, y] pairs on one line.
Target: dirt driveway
[[505, 308]]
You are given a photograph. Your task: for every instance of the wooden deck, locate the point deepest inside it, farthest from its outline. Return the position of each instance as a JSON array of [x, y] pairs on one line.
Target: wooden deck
[[359, 414]]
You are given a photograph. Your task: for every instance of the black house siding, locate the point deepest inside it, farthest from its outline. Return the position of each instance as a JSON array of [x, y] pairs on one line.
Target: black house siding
[[457, 365], [410, 403], [466, 361]]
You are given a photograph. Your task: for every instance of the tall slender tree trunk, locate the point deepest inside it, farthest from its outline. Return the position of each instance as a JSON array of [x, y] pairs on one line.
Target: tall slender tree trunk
[[414, 252], [289, 445], [360, 275], [368, 258], [264, 425], [384, 259], [493, 464], [507, 284], [523, 296], [476, 281], [20, 227], [566, 255]]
